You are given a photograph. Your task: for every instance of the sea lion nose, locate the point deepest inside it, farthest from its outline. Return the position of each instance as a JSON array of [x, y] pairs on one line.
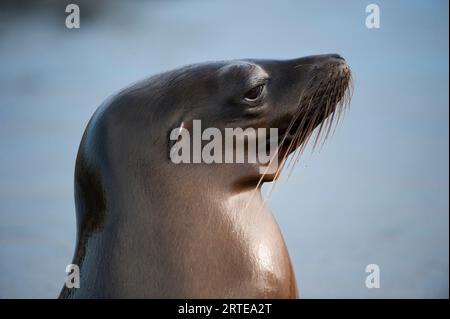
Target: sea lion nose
[[331, 62], [317, 61], [337, 56]]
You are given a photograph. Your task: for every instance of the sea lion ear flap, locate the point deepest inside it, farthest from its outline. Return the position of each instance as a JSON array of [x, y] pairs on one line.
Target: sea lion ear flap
[[179, 144], [174, 137]]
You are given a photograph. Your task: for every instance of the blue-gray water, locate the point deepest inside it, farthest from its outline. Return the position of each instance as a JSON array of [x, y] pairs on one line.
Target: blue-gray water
[[376, 193]]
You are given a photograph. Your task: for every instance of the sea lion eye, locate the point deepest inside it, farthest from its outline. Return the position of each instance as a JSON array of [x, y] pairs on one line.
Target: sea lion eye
[[254, 94]]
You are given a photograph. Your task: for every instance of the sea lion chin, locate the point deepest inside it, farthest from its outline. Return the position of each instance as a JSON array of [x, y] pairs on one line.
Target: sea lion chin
[[148, 228]]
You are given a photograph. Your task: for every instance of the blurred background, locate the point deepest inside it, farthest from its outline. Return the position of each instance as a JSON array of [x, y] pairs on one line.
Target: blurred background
[[376, 193]]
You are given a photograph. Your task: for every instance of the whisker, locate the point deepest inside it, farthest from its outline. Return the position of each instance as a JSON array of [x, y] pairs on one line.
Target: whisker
[[280, 145], [321, 107]]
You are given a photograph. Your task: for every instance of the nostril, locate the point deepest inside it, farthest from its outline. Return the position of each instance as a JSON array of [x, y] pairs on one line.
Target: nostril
[[337, 56]]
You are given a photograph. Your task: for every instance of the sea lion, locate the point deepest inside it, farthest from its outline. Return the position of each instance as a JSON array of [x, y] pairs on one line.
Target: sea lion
[[149, 228]]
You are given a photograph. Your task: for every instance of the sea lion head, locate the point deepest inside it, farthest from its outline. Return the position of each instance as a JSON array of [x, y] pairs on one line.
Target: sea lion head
[[294, 96], [128, 136]]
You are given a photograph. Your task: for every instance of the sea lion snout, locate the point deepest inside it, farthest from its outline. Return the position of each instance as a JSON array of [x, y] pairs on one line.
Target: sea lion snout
[[337, 56], [319, 66], [325, 62], [322, 91], [319, 58]]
